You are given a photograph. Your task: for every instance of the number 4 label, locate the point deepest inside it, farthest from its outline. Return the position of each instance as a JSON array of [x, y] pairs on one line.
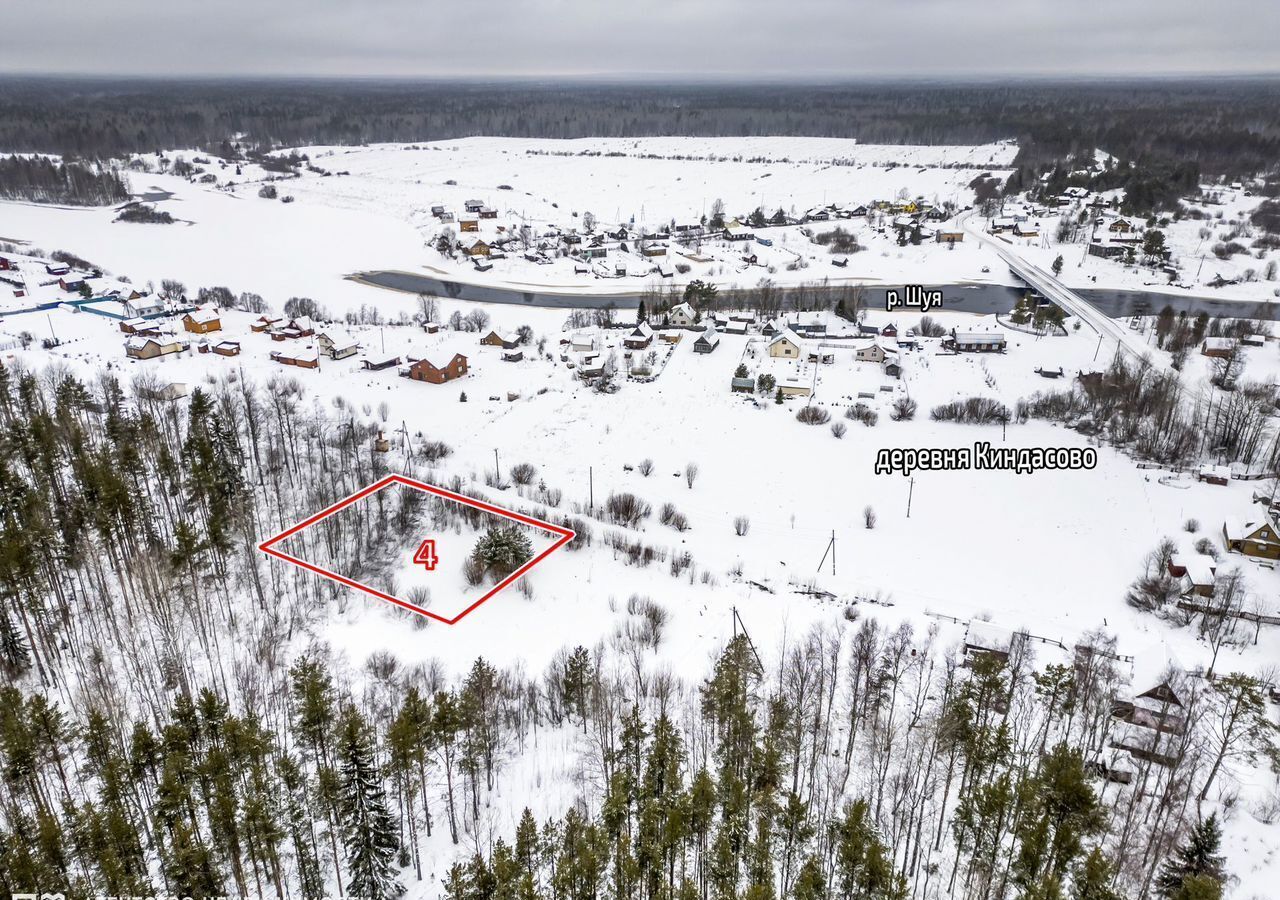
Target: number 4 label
[[426, 555]]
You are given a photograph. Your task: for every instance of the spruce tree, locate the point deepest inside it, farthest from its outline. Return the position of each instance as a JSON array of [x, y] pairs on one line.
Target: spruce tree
[[1196, 859], [368, 828]]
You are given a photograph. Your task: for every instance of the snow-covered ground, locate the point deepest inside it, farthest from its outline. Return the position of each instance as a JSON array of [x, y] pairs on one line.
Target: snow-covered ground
[[1051, 552]]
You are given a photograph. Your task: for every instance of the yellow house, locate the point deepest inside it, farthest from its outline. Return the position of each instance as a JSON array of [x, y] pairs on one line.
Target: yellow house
[[785, 345]]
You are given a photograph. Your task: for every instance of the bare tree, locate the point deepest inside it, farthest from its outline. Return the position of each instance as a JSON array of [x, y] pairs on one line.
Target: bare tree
[[690, 474]]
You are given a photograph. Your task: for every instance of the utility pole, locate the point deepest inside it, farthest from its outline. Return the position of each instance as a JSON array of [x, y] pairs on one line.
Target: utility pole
[[591, 490], [497, 470], [830, 549], [911, 488]]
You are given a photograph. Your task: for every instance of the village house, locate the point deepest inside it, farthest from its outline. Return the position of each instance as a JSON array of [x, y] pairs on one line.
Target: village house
[[793, 387], [476, 247], [150, 346], [144, 307], [786, 345], [1220, 475], [138, 326], [294, 329], [984, 639], [202, 320], [468, 225], [736, 232], [583, 342], [891, 366], [640, 337], [682, 315], [976, 341], [379, 362], [473, 206], [1023, 229], [426, 370], [707, 341], [1255, 539], [1148, 724], [1218, 347], [57, 268], [301, 357], [431, 327], [227, 348], [336, 343], [488, 212], [871, 352], [512, 355], [494, 338], [1199, 577], [948, 237], [736, 326], [591, 366], [265, 323]]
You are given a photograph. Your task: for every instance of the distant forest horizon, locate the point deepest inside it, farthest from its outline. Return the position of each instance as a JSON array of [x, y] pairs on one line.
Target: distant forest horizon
[[1169, 131]]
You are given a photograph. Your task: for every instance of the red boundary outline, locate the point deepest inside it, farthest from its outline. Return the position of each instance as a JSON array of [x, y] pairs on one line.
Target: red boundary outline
[[565, 535]]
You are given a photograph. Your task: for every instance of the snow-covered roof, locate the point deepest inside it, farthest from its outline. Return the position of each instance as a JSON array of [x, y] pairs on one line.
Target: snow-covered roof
[[684, 309], [339, 338], [1199, 568], [985, 636], [786, 334], [204, 315], [710, 336], [642, 331], [1218, 343]]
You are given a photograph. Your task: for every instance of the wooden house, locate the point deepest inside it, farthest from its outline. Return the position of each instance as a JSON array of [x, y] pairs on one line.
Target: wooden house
[[640, 337], [227, 348], [150, 346], [785, 345], [476, 247], [202, 321], [1259, 540], [976, 341], [301, 357], [1220, 475], [380, 362], [708, 341], [1218, 347], [468, 224], [682, 315], [336, 343], [426, 370]]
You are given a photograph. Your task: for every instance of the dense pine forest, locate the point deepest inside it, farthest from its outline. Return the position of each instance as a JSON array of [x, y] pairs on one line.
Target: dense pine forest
[[169, 723]]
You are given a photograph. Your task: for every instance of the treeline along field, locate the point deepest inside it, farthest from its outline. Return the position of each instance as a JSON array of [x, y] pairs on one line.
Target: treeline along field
[[1224, 126]]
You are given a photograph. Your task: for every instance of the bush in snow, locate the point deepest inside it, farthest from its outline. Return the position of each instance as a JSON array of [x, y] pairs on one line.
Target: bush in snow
[[838, 429], [813, 415], [645, 467], [1191, 526], [523, 473], [869, 516], [975, 410], [904, 408], [627, 509], [741, 525], [267, 192]]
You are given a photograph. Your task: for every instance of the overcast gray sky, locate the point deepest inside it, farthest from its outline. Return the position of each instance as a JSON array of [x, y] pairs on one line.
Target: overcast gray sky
[[764, 38]]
